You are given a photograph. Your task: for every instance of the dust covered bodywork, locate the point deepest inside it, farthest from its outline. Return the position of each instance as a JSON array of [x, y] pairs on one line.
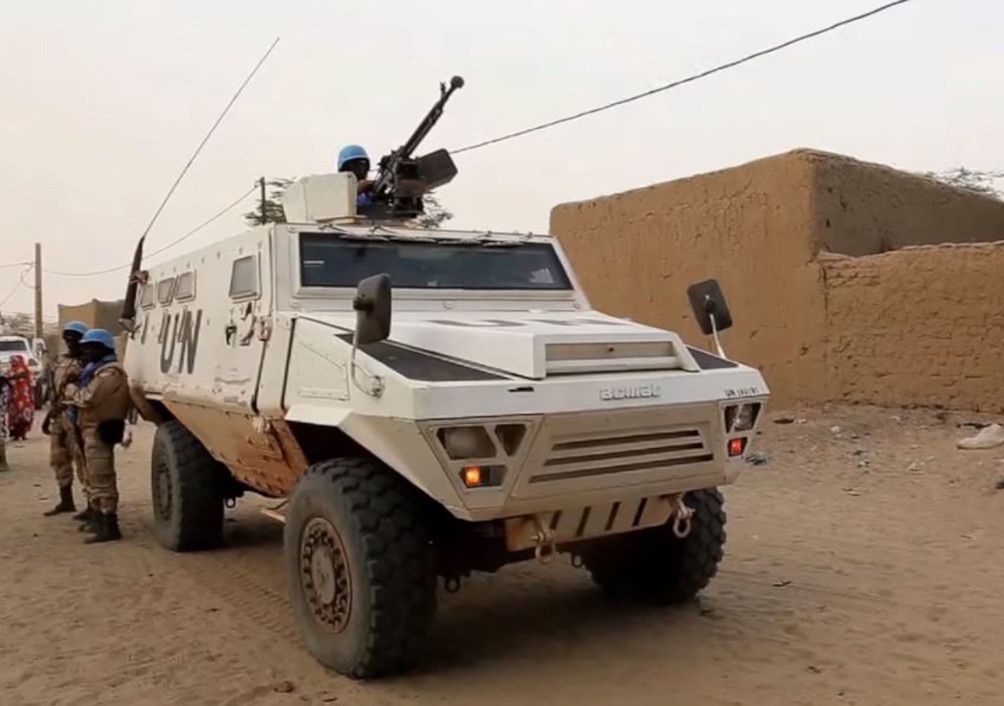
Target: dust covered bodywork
[[495, 361]]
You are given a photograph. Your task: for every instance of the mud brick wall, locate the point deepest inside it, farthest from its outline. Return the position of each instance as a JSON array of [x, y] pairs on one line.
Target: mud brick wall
[[95, 313], [761, 229], [919, 326], [862, 208], [637, 252]]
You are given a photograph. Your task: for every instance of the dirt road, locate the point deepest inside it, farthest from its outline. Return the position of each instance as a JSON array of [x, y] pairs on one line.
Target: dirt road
[[863, 567]]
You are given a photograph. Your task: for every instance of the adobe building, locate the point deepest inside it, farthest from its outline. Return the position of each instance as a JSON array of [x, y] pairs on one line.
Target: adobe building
[[846, 280], [96, 314]]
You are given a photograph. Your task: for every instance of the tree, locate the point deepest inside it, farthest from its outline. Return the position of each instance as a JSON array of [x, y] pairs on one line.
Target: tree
[[17, 324], [271, 210], [978, 182], [435, 215]]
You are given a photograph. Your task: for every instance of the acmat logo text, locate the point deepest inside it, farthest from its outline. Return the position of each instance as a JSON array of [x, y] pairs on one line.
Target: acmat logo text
[[610, 394]]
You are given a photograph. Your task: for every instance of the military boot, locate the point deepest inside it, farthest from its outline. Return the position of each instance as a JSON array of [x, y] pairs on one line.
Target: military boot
[[85, 515], [108, 529], [90, 525], [65, 502]]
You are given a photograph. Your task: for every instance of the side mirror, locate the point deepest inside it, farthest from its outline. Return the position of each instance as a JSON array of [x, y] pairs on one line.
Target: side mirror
[[707, 301], [372, 305]]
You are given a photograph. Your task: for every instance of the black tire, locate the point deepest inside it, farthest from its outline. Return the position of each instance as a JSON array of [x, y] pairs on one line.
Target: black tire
[[186, 484], [360, 567], [655, 564]]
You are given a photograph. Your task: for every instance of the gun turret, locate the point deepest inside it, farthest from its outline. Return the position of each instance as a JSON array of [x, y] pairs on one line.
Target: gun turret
[[402, 180]]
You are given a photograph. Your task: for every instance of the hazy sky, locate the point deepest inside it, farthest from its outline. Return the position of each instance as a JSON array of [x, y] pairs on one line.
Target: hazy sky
[[103, 103]]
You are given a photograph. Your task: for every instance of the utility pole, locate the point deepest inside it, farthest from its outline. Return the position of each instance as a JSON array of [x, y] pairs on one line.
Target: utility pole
[[261, 218], [38, 290]]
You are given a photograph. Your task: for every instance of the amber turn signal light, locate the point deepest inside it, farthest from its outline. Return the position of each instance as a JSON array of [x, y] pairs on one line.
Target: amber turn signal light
[[473, 476]]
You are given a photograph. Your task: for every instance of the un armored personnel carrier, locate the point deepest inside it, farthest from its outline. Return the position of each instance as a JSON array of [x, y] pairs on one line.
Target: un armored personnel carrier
[[488, 416]]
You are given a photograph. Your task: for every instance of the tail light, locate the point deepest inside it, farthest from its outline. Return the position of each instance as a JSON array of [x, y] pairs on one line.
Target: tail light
[[737, 446]]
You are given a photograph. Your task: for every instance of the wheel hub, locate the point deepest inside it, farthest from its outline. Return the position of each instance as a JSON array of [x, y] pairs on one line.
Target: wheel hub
[[324, 574]]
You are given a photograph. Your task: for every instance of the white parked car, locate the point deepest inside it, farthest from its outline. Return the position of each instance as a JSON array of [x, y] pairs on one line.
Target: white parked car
[[18, 345]]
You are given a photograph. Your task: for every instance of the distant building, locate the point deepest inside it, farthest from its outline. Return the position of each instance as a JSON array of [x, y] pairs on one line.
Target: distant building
[[95, 313]]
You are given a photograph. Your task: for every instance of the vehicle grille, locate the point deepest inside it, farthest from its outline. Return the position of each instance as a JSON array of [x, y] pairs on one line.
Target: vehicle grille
[[624, 452]]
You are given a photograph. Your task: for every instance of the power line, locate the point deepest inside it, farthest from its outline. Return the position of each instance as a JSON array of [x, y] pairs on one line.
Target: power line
[[20, 281], [681, 82], [14, 264], [205, 223], [174, 242]]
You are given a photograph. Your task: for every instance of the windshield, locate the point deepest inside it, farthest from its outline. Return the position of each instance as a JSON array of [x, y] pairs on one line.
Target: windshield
[[328, 261], [13, 346]]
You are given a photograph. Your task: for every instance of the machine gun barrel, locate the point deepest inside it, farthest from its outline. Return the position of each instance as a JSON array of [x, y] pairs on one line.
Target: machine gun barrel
[[388, 165]]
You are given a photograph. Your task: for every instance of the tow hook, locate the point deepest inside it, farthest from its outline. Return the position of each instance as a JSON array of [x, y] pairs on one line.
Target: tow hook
[[544, 537], [681, 516]]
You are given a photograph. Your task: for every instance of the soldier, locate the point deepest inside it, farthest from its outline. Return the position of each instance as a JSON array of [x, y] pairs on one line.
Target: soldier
[[64, 450], [102, 398], [353, 158]]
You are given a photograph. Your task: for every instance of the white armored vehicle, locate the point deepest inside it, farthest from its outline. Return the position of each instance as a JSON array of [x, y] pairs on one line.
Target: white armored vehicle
[[493, 417]]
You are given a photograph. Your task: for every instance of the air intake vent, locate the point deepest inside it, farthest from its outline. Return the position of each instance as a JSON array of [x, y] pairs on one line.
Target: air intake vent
[[597, 357], [622, 453]]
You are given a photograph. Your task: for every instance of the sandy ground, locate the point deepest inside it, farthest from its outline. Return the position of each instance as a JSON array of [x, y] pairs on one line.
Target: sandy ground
[[863, 567]]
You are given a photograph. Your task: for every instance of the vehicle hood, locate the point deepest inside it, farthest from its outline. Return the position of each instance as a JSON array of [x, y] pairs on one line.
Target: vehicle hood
[[535, 344]]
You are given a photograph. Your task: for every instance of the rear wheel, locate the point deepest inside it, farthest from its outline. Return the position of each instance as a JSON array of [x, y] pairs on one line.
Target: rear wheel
[[186, 482], [658, 565], [360, 567]]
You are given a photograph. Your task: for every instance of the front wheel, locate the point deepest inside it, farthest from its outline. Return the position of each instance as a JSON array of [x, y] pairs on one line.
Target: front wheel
[[655, 563], [360, 567]]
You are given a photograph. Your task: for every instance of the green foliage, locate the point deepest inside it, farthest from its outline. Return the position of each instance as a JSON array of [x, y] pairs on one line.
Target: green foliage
[[271, 211], [434, 217]]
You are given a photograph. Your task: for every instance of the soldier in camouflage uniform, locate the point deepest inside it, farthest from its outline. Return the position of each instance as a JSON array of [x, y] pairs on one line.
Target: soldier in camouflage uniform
[[65, 452], [102, 402]]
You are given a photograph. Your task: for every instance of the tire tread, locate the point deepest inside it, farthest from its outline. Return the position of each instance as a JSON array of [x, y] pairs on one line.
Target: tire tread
[[198, 520], [396, 558]]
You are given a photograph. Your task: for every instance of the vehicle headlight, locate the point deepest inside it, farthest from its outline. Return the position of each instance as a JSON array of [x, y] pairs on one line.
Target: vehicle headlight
[[466, 442]]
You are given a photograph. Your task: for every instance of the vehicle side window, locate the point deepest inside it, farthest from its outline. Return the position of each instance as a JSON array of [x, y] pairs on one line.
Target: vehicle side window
[[146, 298], [165, 290], [244, 280], [186, 287]]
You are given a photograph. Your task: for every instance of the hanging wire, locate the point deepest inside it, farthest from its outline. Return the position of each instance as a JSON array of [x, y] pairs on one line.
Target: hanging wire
[[17, 284], [219, 214], [689, 79]]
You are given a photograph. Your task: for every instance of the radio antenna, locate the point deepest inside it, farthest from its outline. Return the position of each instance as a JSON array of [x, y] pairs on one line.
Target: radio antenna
[[191, 160], [129, 308]]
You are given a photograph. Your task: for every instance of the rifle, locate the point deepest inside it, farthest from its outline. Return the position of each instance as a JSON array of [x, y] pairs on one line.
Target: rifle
[[401, 180]]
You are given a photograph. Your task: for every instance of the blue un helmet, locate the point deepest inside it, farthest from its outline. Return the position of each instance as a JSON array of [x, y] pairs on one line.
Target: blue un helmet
[[99, 335], [350, 153], [78, 327]]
